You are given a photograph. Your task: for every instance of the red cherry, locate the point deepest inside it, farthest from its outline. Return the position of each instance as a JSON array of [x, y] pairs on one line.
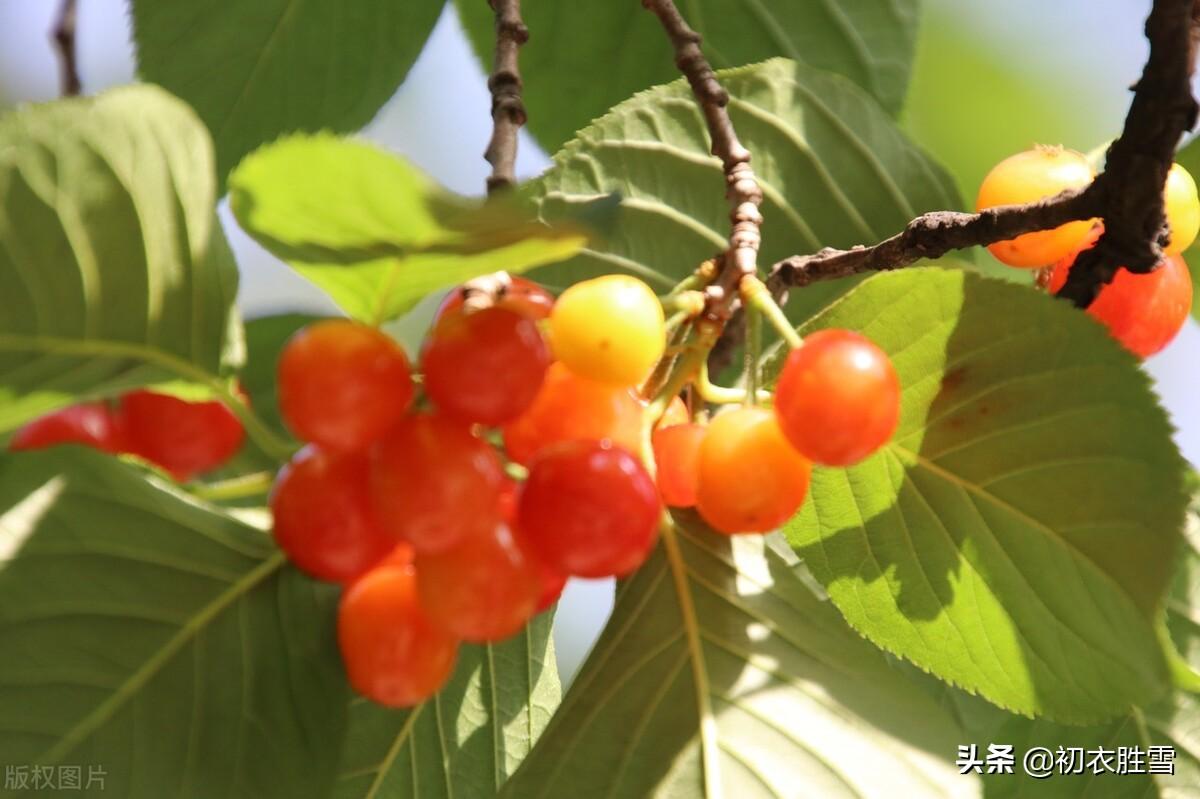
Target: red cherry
[[342, 384], [323, 516], [184, 438], [483, 589], [434, 484], [552, 584], [393, 655], [485, 367], [838, 397], [521, 296], [677, 456], [569, 407], [1143, 312], [90, 424], [589, 509]]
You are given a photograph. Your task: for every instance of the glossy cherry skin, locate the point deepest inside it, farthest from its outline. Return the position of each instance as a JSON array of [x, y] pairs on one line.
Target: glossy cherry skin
[[552, 582], [677, 457], [184, 438], [434, 484], [610, 329], [1143, 312], [483, 589], [342, 384], [589, 509], [90, 424], [323, 515], [1034, 175], [751, 479], [392, 653], [521, 296], [485, 367], [838, 397], [570, 407], [1182, 206]]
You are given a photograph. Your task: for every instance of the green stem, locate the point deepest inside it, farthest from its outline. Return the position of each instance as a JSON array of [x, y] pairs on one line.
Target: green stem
[[756, 295], [753, 319], [248, 485], [722, 395]]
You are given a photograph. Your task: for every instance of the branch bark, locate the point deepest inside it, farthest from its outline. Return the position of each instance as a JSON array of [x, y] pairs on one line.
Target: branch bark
[[64, 44], [508, 109]]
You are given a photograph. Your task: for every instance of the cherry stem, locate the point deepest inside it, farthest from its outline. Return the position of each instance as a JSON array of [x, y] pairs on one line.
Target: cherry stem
[[753, 321], [722, 395], [247, 485], [756, 296]]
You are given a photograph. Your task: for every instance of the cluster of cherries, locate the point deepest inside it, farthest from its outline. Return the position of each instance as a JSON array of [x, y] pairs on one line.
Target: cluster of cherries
[[1144, 312]]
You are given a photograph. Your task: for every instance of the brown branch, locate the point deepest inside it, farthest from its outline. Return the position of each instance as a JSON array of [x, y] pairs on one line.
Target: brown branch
[[64, 43], [508, 109], [742, 189], [1128, 195]]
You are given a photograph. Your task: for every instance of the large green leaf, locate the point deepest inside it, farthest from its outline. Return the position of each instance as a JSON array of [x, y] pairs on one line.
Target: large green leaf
[[254, 70], [373, 231], [158, 641], [835, 172], [468, 739], [721, 673], [1017, 535], [1189, 158], [584, 58], [113, 268]]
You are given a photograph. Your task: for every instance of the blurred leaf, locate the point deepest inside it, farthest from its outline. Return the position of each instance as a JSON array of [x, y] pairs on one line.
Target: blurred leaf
[[114, 271], [834, 168], [158, 640], [1018, 534], [777, 697], [254, 70], [582, 61], [376, 233], [468, 739]]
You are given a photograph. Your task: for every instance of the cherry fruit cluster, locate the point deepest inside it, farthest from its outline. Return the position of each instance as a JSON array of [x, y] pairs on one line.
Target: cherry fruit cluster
[[1144, 312]]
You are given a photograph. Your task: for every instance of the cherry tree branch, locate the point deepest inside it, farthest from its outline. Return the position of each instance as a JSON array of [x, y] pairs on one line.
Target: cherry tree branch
[[64, 43], [508, 109]]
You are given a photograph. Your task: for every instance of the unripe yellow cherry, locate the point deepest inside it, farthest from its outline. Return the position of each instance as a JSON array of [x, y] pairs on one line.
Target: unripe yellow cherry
[[1027, 177], [610, 329], [1183, 209]]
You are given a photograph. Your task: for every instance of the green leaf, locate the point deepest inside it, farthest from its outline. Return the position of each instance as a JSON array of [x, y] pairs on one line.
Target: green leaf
[[256, 70], [586, 57], [1189, 158], [114, 271], [835, 172], [158, 640], [373, 231], [718, 660], [468, 739], [1017, 535]]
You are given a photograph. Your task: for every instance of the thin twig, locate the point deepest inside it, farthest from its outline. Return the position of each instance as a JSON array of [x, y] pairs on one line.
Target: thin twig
[[64, 43], [508, 109]]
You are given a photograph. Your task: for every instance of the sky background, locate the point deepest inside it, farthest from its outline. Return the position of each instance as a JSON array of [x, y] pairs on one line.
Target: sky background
[[991, 78]]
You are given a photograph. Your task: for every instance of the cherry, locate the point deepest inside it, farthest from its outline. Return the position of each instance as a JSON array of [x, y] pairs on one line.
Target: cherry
[[342, 384], [486, 366], [571, 407], [552, 582], [323, 516], [90, 424], [434, 484], [838, 397], [521, 296], [610, 329], [677, 456], [184, 438], [1183, 209], [1143, 312], [675, 414], [393, 654], [483, 589], [751, 480], [1029, 176], [589, 509]]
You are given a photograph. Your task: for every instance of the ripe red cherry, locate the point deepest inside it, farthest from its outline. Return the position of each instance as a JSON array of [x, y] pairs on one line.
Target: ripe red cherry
[[677, 456], [342, 384], [838, 397], [483, 589], [552, 584], [570, 407], [90, 424], [184, 438], [589, 509], [393, 654], [751, 479], [323, 516], [434, 484], [485, 367], [1143, 312], [521, 296]]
